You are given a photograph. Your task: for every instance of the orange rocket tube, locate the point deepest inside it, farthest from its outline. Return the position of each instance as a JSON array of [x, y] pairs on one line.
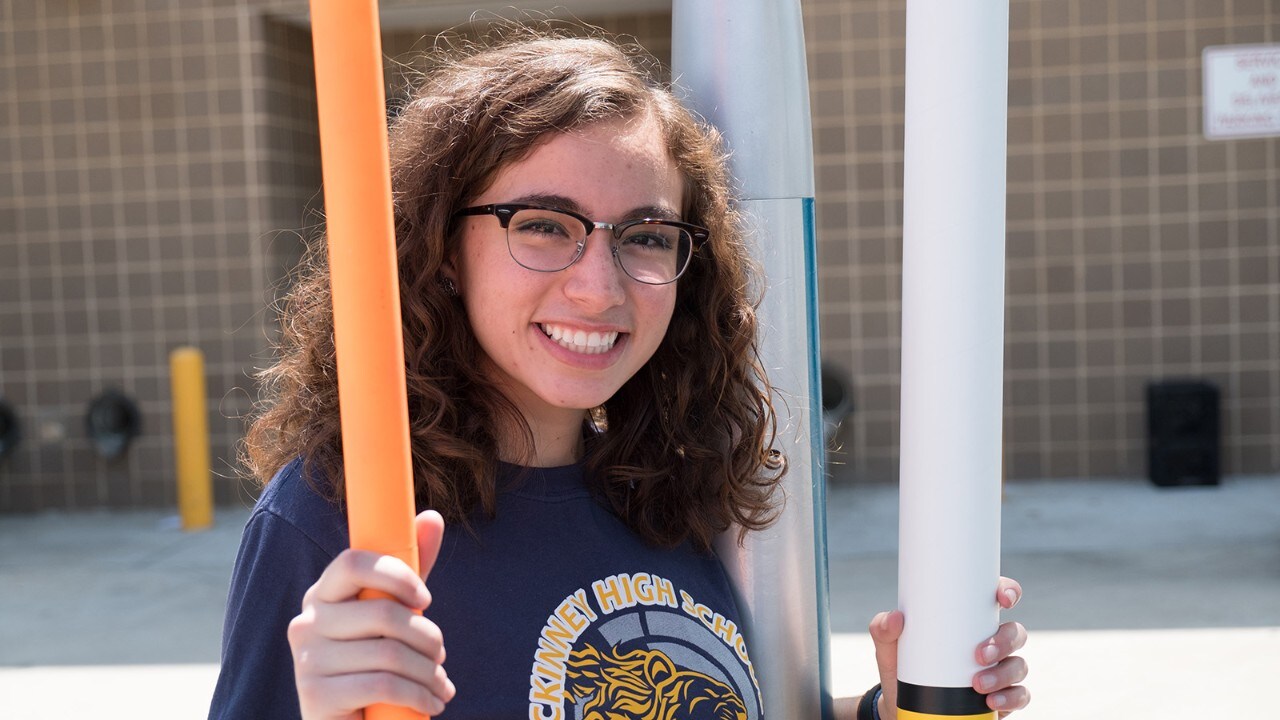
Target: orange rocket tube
[[363, 277]]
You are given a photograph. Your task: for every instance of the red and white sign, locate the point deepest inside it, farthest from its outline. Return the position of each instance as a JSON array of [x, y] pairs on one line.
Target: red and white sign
[[1241, 91]]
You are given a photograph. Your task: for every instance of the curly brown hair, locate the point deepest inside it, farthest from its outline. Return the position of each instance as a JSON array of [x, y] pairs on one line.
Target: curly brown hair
[[683, 450]]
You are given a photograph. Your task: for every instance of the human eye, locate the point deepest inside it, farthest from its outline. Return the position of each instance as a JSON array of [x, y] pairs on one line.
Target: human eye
[[652, 237], [540, 225]]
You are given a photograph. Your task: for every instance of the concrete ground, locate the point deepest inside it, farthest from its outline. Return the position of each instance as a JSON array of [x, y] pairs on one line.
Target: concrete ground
[[1142, 603]]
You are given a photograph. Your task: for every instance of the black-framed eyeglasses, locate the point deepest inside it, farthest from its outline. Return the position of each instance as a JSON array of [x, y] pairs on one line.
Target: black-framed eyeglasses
[[543, 239]]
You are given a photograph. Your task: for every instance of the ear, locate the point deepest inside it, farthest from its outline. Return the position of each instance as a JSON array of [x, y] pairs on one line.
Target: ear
[[659, 666], [449, 277], [449, 268]]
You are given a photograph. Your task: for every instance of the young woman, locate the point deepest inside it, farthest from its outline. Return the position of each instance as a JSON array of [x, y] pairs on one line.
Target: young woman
[[587, 413]]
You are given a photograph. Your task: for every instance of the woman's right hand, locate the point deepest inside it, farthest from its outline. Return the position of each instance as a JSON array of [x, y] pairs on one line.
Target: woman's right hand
[[350, 653]]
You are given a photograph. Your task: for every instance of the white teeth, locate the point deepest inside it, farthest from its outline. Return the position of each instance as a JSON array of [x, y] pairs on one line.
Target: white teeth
[[580, 341]]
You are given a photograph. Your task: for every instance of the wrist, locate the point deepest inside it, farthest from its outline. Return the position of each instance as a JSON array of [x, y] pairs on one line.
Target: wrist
[[869, 706]]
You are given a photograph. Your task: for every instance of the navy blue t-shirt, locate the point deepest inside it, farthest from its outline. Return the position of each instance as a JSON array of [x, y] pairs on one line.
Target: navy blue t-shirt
[[555, 609]]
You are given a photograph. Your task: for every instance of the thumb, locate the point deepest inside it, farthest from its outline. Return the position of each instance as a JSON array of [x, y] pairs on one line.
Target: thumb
[[430, 530], [885, 630]]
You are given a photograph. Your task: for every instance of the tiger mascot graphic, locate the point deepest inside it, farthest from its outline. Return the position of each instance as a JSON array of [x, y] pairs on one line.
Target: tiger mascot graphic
[[646, 685]]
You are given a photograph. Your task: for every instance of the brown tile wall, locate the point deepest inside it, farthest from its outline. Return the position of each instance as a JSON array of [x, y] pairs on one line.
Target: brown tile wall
[[128, 222], [1137, 250], [159, 167]]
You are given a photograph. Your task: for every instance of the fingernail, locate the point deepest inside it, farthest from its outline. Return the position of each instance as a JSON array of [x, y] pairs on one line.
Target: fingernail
[[989, 653], [998, 700], [986, 681], [1012, 596]]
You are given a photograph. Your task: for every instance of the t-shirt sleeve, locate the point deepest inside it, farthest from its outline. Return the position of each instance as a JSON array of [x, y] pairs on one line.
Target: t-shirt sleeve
[[276, 564]]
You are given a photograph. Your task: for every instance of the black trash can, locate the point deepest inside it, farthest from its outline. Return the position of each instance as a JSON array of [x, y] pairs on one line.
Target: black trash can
[[10, 430], [112, 422], [1183, 433], [837, 400]]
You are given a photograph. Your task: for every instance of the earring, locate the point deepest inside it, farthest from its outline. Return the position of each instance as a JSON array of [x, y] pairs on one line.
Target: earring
[[446, 284]]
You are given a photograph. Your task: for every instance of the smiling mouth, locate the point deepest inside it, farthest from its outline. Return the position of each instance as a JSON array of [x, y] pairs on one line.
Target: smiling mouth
[[580, 341]]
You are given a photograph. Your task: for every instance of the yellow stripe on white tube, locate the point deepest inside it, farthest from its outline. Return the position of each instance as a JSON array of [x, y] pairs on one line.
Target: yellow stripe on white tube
[[952, 350], [909, 715]]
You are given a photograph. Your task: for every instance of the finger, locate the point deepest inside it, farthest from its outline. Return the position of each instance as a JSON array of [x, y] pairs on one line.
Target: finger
[[332, 658], [359, 690], [356, 570], [430, 529], [1009, 699], [885, 629], [1010, 638], [366, 619], [1008, 592], [1006, 674]]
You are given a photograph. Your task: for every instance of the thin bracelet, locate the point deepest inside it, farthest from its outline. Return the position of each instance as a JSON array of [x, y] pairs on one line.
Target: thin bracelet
[[869, 707]]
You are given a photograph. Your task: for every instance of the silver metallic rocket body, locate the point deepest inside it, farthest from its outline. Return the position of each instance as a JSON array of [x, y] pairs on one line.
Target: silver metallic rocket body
[[742, 65]]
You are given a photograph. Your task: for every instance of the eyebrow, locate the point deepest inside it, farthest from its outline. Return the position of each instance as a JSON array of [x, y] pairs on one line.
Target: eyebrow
[[561, 202]]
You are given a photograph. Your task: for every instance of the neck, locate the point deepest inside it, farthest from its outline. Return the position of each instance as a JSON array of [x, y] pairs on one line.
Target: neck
[[557, 439], [557, 446]]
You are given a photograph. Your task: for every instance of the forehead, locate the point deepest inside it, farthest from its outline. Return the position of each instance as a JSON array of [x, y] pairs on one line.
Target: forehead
[[605, 167]]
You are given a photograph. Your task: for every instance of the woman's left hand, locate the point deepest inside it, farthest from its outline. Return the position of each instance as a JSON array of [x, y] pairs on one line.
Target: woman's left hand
[[1002, 669]]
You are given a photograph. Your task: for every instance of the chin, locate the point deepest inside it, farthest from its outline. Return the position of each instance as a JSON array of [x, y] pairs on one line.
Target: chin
[[584, 404], [581, 400]]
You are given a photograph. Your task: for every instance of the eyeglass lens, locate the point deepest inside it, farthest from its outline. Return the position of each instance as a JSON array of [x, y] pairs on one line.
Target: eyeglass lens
[[547, 240]]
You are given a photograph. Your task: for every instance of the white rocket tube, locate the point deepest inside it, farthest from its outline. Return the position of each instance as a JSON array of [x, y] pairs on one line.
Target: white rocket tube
[[952, 349], [743, 64]]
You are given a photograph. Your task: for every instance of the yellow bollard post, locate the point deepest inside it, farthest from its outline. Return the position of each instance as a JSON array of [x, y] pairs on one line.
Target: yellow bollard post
[[191, 438]]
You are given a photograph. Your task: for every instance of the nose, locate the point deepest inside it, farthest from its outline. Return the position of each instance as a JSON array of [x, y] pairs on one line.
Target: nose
[[596, 280]]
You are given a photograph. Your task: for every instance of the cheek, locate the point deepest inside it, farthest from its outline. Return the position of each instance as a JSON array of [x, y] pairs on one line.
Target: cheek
[[668, 312], [660, 309]]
